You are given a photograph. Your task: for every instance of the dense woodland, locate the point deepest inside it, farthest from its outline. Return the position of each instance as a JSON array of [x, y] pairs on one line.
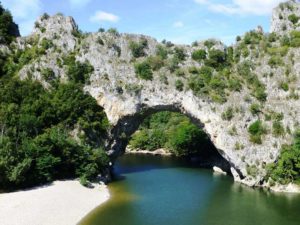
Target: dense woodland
[[59, 132]]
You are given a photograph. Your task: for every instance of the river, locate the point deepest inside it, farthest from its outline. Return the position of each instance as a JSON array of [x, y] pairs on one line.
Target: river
[[151, 190]]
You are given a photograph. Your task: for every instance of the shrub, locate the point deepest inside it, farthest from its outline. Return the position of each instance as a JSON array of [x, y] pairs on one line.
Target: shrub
[[8, 29], [143, 70], [156, 62], [275, 61], [45, 16], [278, 129], [162, 52], [256, 130], [209, 43], [255, 109], [179, 53], [137, 48], [79, 72], [216, 59], [293, 18], [179, 85], [199, 55], [287, 168], [284, 86], [228, 114], [48, 74], [113, 31]]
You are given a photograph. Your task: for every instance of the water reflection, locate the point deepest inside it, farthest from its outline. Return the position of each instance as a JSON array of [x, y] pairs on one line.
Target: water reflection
[[152, 191]]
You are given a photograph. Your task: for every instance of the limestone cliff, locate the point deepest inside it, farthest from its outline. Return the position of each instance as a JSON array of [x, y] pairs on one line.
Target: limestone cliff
[[225, 117]]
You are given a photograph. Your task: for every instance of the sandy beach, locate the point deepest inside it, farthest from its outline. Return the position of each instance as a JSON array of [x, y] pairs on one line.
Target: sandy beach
[[60, 203]]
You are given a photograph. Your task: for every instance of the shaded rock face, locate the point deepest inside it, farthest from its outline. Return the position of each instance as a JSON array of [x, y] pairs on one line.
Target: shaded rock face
[[127, 99]]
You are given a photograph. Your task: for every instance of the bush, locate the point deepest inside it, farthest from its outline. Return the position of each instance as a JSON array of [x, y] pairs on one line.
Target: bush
[[278, 129], [284, 86], [48, 74], [255, 109], [256, 130], [36, 146], [293, 18], [156, 62], [287, 168], [275, 61], [143, 70], [113, 31], [199, 55], [8, 29], [179, 53], [179, 85], [137, 48], [78, 72], [162, 52], [228, 114], [216, 59]]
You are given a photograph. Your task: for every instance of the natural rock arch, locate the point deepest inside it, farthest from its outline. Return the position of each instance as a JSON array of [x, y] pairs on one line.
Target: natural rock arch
[[125, 97], [125, 127]]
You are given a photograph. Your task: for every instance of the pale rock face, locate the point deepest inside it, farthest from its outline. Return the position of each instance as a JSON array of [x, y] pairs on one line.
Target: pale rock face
[[127, 99], [280, 22]]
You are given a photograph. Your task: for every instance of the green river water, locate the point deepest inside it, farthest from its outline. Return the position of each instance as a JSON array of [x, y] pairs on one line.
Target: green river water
[[152, 190]]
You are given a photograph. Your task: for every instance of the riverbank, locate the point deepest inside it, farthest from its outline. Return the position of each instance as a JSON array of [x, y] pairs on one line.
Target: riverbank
[[160, 152], [60, 203]]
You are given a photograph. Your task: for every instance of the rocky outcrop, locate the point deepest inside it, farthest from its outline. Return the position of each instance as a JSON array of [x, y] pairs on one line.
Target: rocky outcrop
[[127, 99], [284, 18]]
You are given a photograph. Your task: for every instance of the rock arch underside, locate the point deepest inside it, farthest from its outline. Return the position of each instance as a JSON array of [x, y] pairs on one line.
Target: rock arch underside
[[127, 99]]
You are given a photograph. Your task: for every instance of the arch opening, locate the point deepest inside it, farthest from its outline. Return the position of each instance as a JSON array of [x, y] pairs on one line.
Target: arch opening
[[207, 155]]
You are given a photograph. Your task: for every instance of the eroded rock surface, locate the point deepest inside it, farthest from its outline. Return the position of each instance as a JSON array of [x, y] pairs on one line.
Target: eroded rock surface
[[127, 99]]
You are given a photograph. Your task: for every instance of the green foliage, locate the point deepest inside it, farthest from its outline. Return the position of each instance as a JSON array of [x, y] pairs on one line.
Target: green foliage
[[278, 129], [228, 114], [143, 70], [256, 130], [284, 86], [275, 61], [179, 54], [293, 18], [172, 131], [251, 170], [155, 62], [281, 51], [8, 29], [252, 38], [137, 48], [48, 75], [199, 55], [287, 167], [216, 59], [255, 109], [162, 52], [209, 43], [35, 145], [179, 85], [295, 39], [113, 31], [76, 71]]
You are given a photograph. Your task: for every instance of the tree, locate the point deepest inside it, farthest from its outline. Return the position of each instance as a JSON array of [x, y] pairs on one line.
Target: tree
[[8, 29], [143, 70], [199, 55]]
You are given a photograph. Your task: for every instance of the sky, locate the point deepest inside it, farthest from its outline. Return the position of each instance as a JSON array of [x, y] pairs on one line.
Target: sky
[[179, 21]]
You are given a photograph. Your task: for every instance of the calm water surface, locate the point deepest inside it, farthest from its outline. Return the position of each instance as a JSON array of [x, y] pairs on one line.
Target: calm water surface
[[164, 191]]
